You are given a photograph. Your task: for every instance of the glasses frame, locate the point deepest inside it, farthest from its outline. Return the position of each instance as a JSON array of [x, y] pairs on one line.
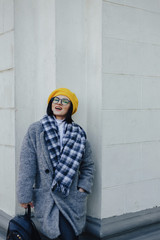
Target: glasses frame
[[61, 99]]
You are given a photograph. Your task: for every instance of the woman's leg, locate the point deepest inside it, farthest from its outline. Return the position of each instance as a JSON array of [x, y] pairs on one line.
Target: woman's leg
[[67, 232]]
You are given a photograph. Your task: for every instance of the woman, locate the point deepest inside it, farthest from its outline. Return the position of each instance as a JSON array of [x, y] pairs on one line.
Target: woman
[[56, 169]]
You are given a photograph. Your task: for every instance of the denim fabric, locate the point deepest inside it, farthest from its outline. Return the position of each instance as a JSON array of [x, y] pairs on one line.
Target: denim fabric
[[67, 232]]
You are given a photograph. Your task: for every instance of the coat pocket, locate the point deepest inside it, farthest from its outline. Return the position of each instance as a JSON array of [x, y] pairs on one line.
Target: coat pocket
[[39, 201], [81, 203]]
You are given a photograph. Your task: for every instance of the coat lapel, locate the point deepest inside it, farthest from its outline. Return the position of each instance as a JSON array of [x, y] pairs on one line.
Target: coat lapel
[[45, 152]]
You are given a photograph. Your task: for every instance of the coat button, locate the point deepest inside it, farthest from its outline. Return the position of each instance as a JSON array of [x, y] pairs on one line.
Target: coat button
[[47, 171]]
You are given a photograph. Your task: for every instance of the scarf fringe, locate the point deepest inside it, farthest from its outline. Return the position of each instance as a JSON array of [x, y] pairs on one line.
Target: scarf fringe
[[60, 188]]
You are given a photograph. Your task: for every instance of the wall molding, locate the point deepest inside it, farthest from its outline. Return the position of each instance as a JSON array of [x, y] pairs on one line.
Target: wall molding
[[121, 225], [109, 228], [4, 220]]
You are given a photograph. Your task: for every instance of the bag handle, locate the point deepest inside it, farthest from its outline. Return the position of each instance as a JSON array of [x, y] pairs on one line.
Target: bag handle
[[28, 211], [35, 232]]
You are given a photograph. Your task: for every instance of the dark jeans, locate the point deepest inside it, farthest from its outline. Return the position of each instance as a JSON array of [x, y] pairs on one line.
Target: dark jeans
[[67, 232]]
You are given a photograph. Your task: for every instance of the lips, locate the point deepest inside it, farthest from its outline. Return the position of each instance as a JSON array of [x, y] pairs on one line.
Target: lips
[[58, 108]]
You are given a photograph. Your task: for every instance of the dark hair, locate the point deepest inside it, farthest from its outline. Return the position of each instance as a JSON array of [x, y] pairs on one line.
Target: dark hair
[[69, 113]]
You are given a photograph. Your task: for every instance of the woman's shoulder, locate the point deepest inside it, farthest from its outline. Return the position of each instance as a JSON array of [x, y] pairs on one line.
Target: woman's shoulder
[[35, 127], [88, 146]]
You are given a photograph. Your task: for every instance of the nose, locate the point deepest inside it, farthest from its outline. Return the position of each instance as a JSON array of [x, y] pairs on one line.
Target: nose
[[60, 102]]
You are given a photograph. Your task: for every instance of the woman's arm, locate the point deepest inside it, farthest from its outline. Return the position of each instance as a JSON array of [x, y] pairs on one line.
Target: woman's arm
[[86, 170], [27, 170]]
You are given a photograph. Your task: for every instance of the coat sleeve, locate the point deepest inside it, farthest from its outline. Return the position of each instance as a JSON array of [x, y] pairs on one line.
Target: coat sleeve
[[27, 170], [86, 170]]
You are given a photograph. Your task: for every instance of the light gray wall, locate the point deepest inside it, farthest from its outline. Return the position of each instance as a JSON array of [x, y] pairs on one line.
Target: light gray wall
[[71, 51], [130, 106], [7, 107], [103, 51], [35, 62], [94, 98], [78, 67], [54, 49]]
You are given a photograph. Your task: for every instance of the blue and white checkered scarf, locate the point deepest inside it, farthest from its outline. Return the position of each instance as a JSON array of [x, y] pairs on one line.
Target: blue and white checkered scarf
[[67, 160]]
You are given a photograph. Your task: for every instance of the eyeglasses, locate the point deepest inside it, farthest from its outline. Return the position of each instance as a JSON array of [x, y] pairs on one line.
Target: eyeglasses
[[63, 101]]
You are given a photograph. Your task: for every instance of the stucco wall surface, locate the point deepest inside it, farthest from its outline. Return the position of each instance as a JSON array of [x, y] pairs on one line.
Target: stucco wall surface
[[7, 108], [107, 52], [78, 67], [130, 106], [35, 63]]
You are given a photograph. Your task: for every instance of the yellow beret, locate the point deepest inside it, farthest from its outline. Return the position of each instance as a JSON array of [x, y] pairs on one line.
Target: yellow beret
[[66, 92]]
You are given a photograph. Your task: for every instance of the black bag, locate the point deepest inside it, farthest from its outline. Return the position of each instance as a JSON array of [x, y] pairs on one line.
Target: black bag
[[22, 228]]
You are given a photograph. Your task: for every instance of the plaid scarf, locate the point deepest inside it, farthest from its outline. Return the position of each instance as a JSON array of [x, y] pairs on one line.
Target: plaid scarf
[[67, 160]]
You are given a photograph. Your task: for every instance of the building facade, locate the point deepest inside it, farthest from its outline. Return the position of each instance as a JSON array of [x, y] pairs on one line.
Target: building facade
[[108, 53]]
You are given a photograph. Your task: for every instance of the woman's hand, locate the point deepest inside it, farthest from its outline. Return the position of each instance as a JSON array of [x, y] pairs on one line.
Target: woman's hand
[[81, 190], [25, 205]]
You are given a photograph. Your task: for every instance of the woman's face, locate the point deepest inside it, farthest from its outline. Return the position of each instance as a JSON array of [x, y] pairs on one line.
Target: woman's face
[[60, 110]]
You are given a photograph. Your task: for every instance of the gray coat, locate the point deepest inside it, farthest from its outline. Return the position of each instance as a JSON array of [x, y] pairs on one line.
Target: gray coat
[[35, 179]]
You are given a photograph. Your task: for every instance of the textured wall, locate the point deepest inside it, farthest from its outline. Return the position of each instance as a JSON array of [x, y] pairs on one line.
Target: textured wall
[[130, 106], [35, 62], [7, 107], [108, 53], [78, 67]]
